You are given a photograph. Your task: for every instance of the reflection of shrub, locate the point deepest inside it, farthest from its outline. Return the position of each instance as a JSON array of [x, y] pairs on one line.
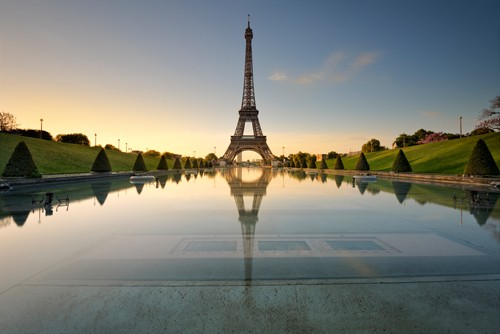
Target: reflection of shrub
[[177, 163], [401, 164], [481, 161], [101, 162], [162, 165], [362, 163], [21, 163], [338, 163], [139, 165]]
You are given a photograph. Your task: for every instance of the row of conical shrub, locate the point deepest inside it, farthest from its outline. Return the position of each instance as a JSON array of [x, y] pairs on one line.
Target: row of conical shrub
[[21, 163], [480, 162]]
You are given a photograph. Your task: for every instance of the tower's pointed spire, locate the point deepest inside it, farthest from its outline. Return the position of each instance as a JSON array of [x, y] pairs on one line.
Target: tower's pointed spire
[[248, 101]]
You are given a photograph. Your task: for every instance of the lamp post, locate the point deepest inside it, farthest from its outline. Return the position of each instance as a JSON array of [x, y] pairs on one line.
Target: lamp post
[[118, 144], [460, 126], [283, 154], [95, 139], [126, 151], [41, 127], [214, 150]]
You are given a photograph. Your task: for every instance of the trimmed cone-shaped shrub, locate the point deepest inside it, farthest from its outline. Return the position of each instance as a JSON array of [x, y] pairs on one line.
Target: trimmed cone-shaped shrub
[[187, 165], [481, 161], [323, 164], [162, 165], [195, 164], [21, 163], [177, 164], [401, 164], [362, 163], [139, 165], [101, 162], [338, 163], [304, 164]]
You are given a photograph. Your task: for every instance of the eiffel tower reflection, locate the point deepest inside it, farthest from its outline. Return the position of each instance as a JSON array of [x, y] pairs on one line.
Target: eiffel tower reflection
[[247, 217]]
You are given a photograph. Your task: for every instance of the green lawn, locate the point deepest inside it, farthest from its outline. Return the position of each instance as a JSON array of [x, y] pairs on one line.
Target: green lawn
[[448, 157], [61, 158], [51, 157]]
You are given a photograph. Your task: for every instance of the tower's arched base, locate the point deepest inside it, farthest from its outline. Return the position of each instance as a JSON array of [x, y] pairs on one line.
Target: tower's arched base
[[257, 144]]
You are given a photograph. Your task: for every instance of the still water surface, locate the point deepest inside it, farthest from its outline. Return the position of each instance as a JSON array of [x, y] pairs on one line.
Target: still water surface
[[245, 226]]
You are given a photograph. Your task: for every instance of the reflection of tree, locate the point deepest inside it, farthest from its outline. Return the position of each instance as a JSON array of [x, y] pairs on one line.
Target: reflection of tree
[[401, 189], [362, 187], [299, 175], [101, 190], [481, 205], [338, 180], [177, 178], [162, 180], [139, 186], [20, 217], [247, 218]]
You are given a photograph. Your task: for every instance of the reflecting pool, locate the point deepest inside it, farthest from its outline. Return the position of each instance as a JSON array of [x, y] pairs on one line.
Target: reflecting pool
[[246, 228]]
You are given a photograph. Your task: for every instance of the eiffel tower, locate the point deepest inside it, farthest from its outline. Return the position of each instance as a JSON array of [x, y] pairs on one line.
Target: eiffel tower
[[248, 113]]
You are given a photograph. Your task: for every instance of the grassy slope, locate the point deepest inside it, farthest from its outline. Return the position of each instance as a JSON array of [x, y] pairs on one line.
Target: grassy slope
[[448, 157], [60, 158]]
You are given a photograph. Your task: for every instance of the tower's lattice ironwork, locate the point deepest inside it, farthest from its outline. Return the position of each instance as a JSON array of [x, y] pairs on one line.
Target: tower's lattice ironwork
[[248, 113]]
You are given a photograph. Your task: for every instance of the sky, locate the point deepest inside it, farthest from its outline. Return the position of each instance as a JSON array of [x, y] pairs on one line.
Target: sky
[[168, 75]]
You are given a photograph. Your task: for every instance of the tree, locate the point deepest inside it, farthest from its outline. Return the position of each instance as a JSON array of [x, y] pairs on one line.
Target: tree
[[177, 164], [433, 137], [362, 163], [401, 164], [139, 165], [110, 147], [332, 155], [187, 164], [481, 161], [195, 164], [7, 122], [312, 162], [491, 116], [373, 145], [101, 162], [162, 165], [339, 165], [21, 163], [74, 138], [323, 163], [152, 153], [210, 157]]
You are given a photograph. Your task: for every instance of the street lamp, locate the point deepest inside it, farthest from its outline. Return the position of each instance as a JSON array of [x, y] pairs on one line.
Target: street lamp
[[126, 147], [460, 126], [283, 154], [41, 123], [118, 144], [95, 139]]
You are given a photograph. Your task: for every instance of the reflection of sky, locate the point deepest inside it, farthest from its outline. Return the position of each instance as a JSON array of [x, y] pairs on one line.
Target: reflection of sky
[[114, 219]]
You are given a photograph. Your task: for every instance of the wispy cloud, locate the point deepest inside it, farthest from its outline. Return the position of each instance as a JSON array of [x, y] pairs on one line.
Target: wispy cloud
[[337, 68], [278, 76]]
